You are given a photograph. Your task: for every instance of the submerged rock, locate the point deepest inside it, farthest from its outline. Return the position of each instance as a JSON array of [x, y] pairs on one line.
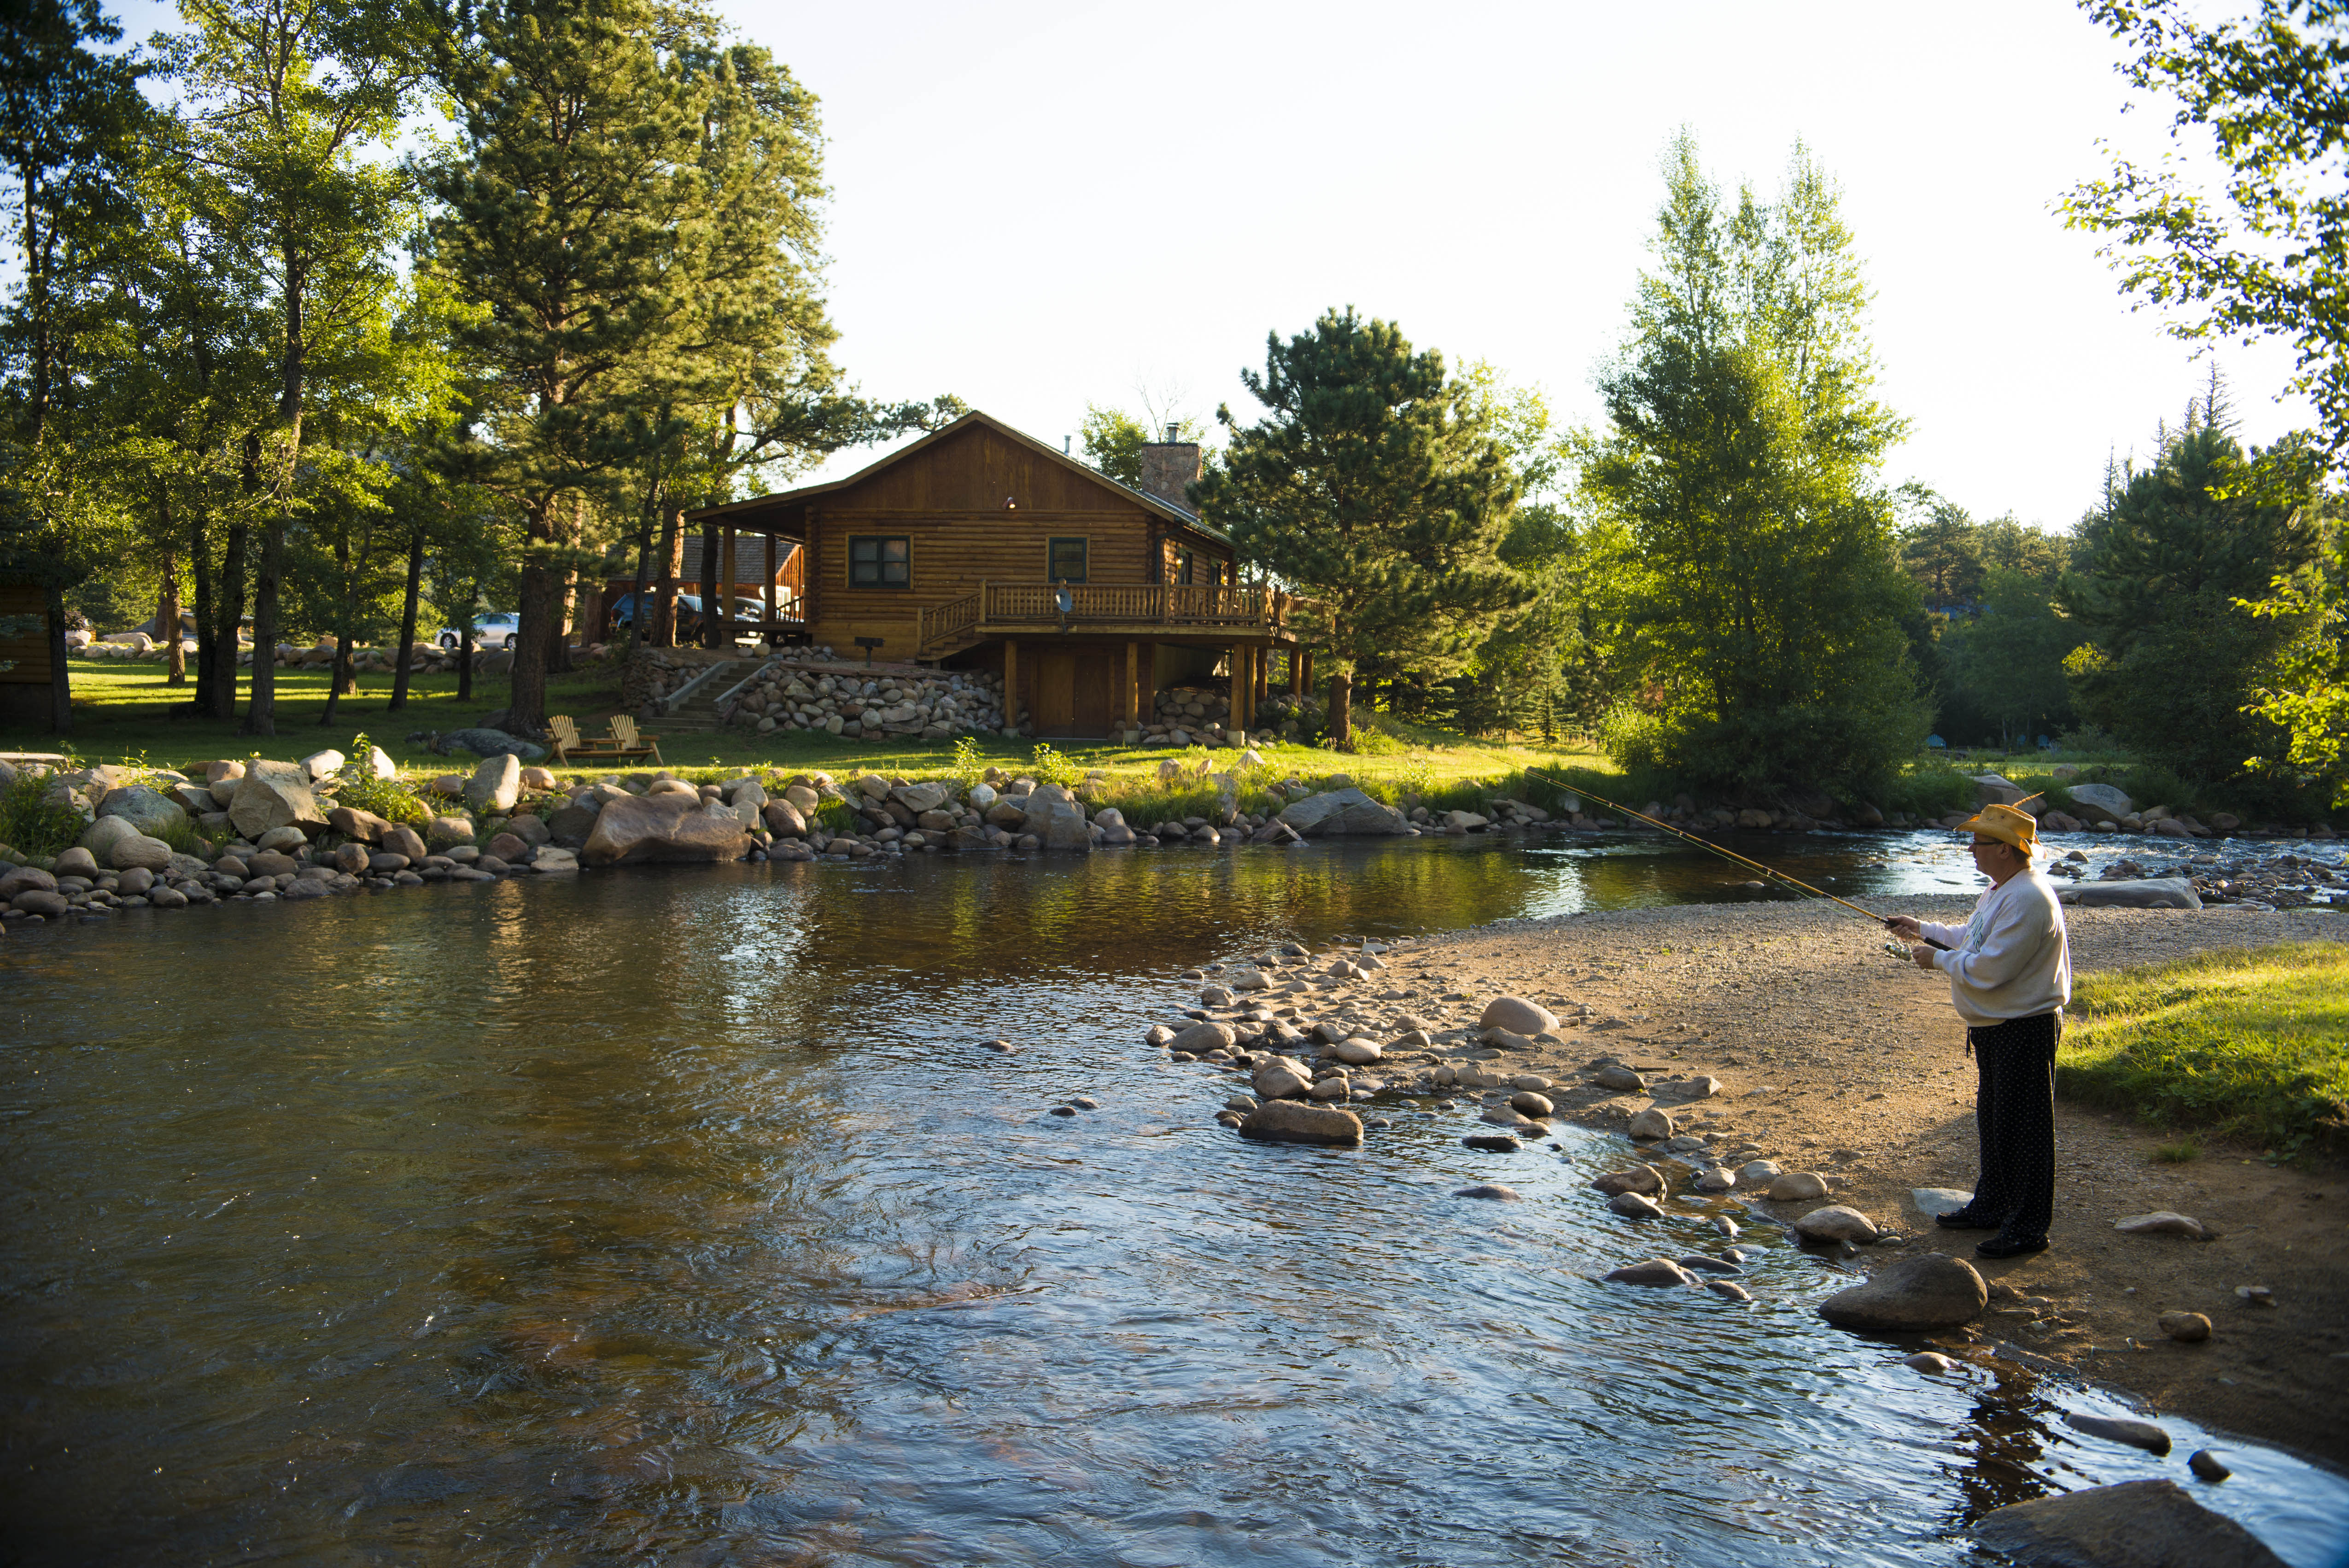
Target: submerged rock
[[1297, 1121], [1654, 1271], [2119, 1429], [2135, 1524], [1490, 1189]]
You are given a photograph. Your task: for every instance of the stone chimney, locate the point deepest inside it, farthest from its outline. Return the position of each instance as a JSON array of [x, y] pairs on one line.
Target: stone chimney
[[1169, 465]]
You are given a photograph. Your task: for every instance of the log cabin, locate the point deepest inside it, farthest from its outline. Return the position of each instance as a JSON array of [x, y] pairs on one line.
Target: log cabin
[[980, 546]]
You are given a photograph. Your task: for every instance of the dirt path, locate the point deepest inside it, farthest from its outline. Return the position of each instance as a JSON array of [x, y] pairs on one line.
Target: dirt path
[[1836, 1059]]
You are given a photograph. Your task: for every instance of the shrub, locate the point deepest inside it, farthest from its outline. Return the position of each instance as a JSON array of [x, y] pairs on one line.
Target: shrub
[[1053, 768], [30, 825], [388, 798]]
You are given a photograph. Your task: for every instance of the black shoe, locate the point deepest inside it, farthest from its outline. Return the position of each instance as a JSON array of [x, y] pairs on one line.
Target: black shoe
[[2010, 1246], [1965, 1220]]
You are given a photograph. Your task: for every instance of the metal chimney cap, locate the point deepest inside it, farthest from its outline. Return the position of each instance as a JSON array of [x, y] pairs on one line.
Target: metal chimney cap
[[1174, 434]]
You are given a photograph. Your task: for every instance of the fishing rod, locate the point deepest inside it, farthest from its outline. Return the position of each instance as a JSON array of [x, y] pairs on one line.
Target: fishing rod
[[1729, 854]]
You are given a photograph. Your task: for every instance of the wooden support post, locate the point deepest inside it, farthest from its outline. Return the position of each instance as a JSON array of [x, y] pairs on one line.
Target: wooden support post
[[1238, 716], [1263, 680], [728, 560], [1295, 671], [1305, 681], [769, 595], [1132, 684], [1011, 682]]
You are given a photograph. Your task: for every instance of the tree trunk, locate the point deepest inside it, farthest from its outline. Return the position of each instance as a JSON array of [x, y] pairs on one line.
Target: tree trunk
[[60, 677], [558, 642], [167, 618], [526, 708], [408, 620], [1341, 709], [588, 620], [340, 676], [229, 599], [199, 553], [672, 555], [465, 642]]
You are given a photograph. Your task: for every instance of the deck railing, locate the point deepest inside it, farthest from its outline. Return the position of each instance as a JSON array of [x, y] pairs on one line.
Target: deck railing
[[1022, 604]]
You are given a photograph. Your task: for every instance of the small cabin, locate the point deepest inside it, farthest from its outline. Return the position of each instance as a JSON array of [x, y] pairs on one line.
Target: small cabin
[[979, 547]]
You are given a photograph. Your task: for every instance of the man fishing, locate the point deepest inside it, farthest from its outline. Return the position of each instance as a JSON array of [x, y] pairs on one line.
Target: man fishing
[[2010, 969]]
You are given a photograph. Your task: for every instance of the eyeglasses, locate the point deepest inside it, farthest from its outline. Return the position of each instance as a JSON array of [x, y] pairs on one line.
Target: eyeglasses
[[1990, 843]]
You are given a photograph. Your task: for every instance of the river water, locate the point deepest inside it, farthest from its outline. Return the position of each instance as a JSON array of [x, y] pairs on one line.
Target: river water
[[679, 1216]]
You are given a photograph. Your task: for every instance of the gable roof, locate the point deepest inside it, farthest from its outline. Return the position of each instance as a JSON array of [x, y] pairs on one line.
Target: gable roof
[[1149, 503]]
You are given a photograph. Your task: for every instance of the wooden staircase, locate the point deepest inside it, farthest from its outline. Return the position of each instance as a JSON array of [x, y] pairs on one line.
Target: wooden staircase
[[697, 713]]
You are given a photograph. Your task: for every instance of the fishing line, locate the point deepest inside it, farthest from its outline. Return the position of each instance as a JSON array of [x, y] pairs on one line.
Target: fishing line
[[1729, 854]]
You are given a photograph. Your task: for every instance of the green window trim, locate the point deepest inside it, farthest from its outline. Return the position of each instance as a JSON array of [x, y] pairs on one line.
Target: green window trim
[[1061, 554], [880, 561]]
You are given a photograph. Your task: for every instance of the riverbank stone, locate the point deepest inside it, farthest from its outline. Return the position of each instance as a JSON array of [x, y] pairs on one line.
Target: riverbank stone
[[1929, 1290], [1518, 1015], [1661, 1271], [2135, 1524], [274, 795], [1835, 1223], [1796, 1186], [151, 812], [1634, 1206], [1296, 1121], [2162, 1222], [2142, 1435], [664, 827], [139, 850], [1650, 1123], [2185, 1327], [495, 785], [1342, 813], [1638, 1179]]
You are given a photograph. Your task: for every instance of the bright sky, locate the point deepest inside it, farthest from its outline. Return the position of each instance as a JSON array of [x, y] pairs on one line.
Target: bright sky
[[1043, 204]]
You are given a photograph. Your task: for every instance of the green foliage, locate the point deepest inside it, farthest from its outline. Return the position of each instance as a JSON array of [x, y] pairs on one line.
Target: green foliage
[[2185, 1151], [1747, 580], [1375, 489], [2174, 659], [2245, 1042], [1114, 440], [2266, 256], [32, 826], [970, 763], [2003, 672], [2305, 695], [1053, 767], [390, 799]]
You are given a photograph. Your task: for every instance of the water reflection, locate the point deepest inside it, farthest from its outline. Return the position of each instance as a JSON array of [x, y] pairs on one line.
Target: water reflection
[[677, 1217]]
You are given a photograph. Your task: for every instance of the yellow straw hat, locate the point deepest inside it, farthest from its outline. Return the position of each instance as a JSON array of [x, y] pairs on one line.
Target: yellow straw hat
[[2009, 824]]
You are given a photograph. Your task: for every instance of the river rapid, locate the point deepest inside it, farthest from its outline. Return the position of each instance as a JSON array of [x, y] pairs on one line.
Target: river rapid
[[680, 1217]]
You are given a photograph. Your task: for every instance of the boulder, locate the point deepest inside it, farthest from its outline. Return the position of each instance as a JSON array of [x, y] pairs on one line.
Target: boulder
[[1057, 824], [1281, 1079], [1295, 1121], [2185, 1327], [1638, 1179], [537, 778], [1620, 1079], [288, 839], [783, 819], [274, 795], [405, 841], [1650, 1123], [1654, 1271], [488, 743], [1634, 1206], [1338, 812], [1796, 1187], [1837, 1223], [2151, 893], [353, 859], [918, 798], [140, 850], [78, 862], [152, 812], [323, 764], [363, 826], [1202, 1038], [101, 838], [1518, 1015], [531, 829], [1929, 1291], [576, 820], [664, 827], [495, 785], [378, 765], [2134, 1524], [446, 832], [41, 901], [1357, 1052], [2101, 803]]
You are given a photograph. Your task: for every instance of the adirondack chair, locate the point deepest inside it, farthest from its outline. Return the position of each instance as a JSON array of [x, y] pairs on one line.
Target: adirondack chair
[[568, 742], [627, 742]]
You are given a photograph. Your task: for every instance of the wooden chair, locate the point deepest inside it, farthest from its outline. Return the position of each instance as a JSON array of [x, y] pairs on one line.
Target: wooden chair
[[568, 743], [627, 742]]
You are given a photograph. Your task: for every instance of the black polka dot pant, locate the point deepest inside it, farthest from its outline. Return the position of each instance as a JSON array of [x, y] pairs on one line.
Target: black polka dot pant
[[2015, 1113]]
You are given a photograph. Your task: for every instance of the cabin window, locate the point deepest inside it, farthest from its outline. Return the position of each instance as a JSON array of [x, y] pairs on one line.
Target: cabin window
[[880, 561], [1185, 562], [1064, 561]]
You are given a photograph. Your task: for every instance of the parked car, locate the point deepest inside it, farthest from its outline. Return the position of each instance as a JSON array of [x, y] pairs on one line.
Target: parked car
[[689, 613], [495, 629]]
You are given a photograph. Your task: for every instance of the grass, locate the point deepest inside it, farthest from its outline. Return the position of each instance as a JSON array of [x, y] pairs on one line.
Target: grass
[[2247, 1043]]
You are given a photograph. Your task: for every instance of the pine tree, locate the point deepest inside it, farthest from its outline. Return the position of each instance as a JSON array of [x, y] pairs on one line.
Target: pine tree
[[1751, 588], [1370, 492]]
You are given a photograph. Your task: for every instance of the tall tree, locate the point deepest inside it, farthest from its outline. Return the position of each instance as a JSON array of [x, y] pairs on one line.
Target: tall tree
[[70, 117], [2266, 255], [1751, 585], [292, 100], [2174, 656], [1376, 492]]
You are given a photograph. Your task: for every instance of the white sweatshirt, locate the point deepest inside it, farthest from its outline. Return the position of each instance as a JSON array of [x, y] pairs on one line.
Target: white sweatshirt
[[2011, 957]]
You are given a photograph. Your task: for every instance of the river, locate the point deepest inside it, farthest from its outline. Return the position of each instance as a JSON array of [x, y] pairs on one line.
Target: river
[[679, 1216]]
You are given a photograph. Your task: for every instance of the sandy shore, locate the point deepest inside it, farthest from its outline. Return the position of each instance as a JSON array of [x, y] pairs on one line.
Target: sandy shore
[[1836, 1059]]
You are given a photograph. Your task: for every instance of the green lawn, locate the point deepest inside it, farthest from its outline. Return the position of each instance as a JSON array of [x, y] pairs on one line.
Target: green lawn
[[2250, 1043]]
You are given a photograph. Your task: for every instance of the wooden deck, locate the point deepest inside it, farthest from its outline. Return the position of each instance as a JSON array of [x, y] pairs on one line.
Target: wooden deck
[[1154, 611]]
